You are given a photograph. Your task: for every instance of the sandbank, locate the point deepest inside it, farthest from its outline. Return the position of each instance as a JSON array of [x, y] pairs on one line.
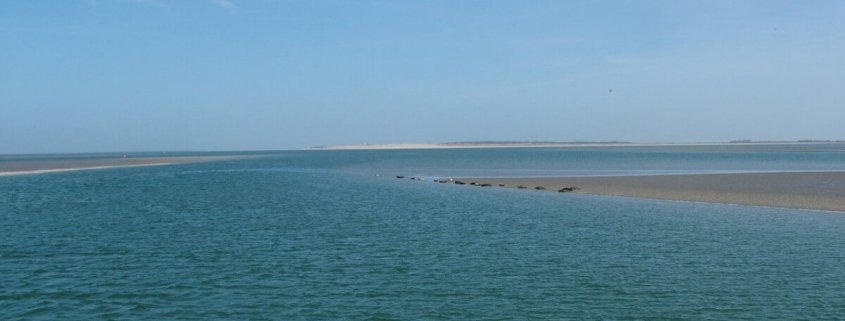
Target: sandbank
[[838, 145], [475, 145], [9, 168], [806, 190]]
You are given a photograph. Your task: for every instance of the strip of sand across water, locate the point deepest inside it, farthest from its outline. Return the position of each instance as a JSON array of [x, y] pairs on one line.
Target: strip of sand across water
[[50, 166], [806, 190]]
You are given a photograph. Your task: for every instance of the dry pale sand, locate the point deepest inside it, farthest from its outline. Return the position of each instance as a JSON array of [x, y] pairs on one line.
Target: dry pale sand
[[471, 145], [752, 145], [62, 165], [807, 190]]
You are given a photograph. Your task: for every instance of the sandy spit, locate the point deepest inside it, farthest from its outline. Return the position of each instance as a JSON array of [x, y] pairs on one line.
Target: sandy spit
[[806, 190], [53, 166]]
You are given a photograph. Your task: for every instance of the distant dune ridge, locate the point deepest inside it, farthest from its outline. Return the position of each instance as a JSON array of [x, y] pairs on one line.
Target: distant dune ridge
[[523, 144], [472, 144]]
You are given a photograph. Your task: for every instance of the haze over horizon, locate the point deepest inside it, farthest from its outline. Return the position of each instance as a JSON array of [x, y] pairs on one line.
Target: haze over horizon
[[146, 75]]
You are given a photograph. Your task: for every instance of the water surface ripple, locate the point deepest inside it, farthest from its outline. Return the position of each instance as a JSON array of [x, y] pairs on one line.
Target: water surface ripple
[[318, 236]]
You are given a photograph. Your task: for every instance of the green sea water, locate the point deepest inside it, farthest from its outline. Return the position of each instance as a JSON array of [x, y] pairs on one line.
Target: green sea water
[[331, 235]]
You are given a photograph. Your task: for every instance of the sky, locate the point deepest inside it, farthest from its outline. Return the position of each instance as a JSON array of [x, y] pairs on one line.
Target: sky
[[162, 75]]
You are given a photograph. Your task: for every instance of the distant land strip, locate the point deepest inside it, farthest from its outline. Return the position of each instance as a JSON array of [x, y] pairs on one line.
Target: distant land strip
[[469, 144], [9, 168], [518, 144]]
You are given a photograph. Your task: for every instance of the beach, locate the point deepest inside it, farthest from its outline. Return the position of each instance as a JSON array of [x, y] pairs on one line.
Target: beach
[[804, 190], [747, 146], [41, 166], [463, 145]]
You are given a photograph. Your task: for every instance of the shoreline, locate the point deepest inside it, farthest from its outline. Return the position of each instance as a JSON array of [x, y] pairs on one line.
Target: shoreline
[[15, 168], [802, 190], [451, 146], [73, 169], [549, 145]]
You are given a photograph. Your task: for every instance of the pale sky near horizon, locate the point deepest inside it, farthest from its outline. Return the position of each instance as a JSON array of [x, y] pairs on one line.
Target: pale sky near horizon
[[150, 75]]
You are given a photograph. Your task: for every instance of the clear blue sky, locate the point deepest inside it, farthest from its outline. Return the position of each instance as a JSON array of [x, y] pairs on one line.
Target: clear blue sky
[[139, 75]]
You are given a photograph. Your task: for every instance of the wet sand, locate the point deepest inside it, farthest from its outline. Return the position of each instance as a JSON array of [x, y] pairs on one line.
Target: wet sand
[[806, 190], [22, 167]]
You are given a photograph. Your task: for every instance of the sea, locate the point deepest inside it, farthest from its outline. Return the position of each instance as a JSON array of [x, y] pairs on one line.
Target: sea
[[334, 235]]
